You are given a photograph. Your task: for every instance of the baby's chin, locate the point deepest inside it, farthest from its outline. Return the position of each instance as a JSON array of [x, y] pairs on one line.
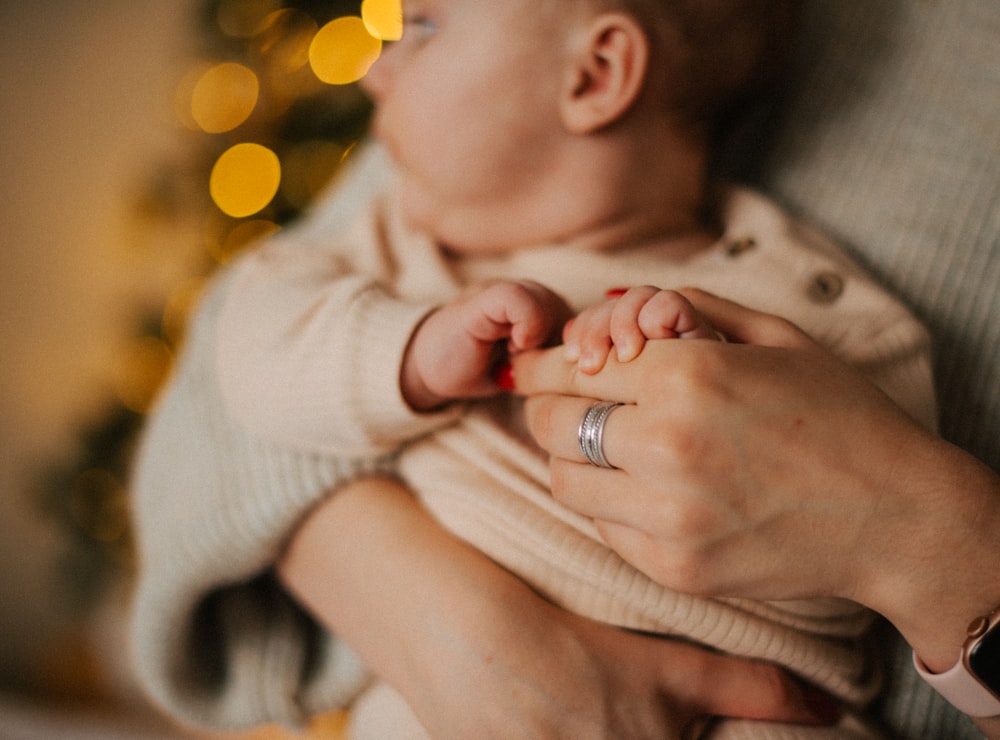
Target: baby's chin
[[417, 214], [420, 215], [460, 231]]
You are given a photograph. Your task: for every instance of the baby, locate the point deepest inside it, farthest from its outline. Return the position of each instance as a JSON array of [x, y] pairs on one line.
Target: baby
[[549, 162]]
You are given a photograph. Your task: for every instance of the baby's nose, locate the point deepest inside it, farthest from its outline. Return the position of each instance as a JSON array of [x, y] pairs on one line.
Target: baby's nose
[[376, 80]]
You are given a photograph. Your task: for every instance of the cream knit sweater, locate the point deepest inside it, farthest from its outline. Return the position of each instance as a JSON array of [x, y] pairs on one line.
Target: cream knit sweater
[[311, 329]]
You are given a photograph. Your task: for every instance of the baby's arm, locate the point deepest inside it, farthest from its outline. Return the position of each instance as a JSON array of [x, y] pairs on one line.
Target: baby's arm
[[626, 320], [215, 641], [455, 351]]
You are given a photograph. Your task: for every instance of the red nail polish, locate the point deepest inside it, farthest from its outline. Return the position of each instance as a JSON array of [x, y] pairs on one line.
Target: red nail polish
[[503, 376], [615, 292]]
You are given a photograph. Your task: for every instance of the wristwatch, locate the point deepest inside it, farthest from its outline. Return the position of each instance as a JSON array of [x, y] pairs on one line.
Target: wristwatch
[[972, 685]]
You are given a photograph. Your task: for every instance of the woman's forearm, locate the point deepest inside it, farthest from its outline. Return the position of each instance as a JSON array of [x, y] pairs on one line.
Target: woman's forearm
[[477, 653], [472, 649], [945, 574], [378, 572], [938, 570]]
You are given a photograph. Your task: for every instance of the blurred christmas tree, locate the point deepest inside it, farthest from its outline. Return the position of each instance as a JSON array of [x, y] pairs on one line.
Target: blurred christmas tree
[[272, 112]]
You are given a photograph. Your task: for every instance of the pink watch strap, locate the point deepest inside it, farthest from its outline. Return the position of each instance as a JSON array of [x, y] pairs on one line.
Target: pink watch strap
[[961, 689]]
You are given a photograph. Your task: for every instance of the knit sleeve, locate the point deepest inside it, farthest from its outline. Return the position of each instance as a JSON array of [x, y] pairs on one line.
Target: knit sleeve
[[216, 641], [312, 335]]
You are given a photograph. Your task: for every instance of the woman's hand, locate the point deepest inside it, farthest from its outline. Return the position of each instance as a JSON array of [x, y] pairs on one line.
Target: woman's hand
[[766, 468], [527, 669], [476, 653], [626, 321], [727, 464]]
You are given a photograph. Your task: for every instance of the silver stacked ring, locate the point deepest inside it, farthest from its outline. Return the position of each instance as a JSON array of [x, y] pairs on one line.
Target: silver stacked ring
[[591, 432]]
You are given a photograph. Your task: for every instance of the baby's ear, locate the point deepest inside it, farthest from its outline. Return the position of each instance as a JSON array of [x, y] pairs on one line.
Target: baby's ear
[[606, 74]]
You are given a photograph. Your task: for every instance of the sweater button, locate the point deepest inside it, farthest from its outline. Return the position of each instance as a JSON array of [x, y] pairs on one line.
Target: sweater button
[[825, 287], [739, 246]]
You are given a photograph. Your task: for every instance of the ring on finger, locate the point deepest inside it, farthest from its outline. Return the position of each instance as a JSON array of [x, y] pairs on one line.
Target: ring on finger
[[590, 433]]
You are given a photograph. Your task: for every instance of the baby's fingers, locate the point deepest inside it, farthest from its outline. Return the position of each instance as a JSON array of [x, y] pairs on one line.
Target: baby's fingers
[[627, 334], [527, 314], [669, 315], [538, 318], [587, 340]]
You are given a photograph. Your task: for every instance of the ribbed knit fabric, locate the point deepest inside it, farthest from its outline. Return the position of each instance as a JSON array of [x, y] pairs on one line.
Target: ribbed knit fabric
[[216, 641], [891, 143], [297, 322]]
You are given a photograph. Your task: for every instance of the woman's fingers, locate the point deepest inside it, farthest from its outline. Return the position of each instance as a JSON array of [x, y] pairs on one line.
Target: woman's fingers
[[552, 372], [554, 422], [602, 495], [744, 325], [549, 371], [726, 686]]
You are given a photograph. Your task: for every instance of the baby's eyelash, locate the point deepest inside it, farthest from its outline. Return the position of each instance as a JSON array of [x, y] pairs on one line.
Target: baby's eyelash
[[418, 24]]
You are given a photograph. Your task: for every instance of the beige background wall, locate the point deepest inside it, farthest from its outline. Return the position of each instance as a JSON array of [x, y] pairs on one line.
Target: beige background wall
[[85, 118]]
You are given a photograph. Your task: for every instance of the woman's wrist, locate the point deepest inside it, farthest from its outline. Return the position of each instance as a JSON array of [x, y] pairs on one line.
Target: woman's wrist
[[941, 562]]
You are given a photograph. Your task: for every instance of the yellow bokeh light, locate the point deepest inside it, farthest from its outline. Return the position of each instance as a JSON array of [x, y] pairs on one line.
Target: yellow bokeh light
[[224, 97], [245, 179], [343, 50], [330, 726], [184, 93], [383, 18]]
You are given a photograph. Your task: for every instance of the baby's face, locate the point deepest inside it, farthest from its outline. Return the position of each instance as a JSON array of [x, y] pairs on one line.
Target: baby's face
[[467, 105]]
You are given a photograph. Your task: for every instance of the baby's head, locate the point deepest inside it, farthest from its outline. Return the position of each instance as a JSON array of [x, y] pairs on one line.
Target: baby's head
[[515, 122], [712, 55]]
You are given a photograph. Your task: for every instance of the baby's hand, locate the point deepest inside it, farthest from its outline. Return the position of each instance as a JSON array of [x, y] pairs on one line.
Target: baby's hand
[[454, 352], [626, 321]]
